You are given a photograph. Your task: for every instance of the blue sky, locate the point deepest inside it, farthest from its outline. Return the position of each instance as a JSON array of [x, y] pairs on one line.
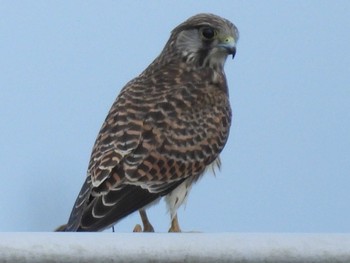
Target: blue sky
[[286, 167]]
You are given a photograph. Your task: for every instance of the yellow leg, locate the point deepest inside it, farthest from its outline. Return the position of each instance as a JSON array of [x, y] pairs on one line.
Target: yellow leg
[[175, 227], [147, 227]]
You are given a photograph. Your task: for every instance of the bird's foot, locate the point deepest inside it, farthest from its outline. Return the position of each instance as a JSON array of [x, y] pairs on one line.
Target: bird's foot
[[174, 230], [146, 228], [175, 227]]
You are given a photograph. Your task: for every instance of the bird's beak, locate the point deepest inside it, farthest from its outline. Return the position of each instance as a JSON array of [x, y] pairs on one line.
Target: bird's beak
[[229, 44]]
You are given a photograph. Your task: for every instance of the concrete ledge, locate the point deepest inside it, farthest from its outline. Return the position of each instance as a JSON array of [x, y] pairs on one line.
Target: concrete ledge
[[185, 247]]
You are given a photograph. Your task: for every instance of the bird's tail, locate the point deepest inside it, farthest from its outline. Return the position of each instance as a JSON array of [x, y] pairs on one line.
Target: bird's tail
[[78, 209]]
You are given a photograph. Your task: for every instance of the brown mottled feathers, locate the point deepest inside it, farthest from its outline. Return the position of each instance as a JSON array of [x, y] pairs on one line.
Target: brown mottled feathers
[[166, 125]]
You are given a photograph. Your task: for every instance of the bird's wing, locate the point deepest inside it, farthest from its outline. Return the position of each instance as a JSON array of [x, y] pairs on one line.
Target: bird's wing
[[149, 143]]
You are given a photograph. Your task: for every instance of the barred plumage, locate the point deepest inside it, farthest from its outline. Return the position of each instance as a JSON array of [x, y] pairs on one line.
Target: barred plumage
[[163, 130]]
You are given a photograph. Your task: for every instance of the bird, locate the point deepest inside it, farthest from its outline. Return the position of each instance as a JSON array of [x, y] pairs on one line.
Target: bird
[[166, 127]]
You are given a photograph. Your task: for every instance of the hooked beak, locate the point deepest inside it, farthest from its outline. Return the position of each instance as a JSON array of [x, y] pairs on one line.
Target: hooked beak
[[231, 51], [229, 44]]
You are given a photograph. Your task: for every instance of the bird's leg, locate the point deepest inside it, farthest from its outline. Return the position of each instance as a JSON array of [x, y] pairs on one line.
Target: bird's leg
[[175, 227], [147, 227]]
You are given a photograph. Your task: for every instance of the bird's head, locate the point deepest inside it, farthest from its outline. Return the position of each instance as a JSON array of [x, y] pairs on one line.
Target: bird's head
[[205, 40]]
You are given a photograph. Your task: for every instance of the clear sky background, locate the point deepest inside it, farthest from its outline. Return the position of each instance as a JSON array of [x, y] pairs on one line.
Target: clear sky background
[[286, 166]]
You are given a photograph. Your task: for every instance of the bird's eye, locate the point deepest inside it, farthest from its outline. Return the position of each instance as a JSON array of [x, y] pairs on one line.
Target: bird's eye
[[208, 33]]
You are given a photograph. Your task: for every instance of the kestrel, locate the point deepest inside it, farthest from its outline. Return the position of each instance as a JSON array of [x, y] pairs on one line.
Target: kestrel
[[165, 128]]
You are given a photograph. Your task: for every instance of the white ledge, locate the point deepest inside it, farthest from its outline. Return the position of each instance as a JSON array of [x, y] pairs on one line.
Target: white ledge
[[163, 247]]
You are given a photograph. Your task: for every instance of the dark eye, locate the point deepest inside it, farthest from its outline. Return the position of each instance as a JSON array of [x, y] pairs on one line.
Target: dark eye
[[208, 33]]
